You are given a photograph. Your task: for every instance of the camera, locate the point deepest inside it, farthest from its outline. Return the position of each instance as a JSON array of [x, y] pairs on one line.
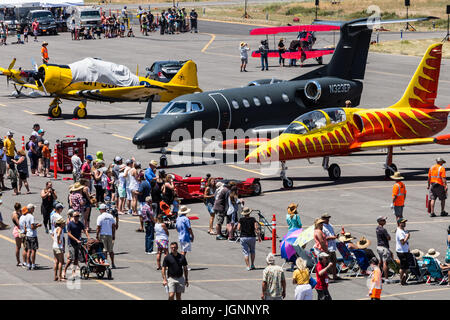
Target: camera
[[111, 207]]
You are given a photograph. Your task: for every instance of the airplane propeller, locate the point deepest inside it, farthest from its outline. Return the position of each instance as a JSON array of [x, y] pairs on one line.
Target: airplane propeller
[[36, 69], [8, 76]]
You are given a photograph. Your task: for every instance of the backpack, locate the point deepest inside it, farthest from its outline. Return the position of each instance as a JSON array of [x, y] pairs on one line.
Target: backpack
[[27, 146]]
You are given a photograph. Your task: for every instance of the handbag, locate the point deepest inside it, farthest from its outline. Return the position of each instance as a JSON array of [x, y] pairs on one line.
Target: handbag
[[312, 282]]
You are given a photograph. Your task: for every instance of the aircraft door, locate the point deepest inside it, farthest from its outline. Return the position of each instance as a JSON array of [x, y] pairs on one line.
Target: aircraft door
[[224, 110]]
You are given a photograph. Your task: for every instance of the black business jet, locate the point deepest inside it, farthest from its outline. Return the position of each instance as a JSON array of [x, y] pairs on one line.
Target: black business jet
[[270, 105]]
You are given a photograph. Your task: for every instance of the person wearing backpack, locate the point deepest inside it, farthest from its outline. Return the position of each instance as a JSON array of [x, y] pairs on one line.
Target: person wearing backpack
[[220, 208], [32, 149]]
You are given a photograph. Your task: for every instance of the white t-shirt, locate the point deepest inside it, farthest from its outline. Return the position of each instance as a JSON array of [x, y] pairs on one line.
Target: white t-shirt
[[106, 221], [122, 181], [328, 230], [76, 163], [53, 217], [27, 221], [399, 247]]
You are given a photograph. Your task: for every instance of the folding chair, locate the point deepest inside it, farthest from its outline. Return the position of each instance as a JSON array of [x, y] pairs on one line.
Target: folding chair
[[393, 268], [361, 260], [435, 271], [347, 258], [314, 258], [417, 271]]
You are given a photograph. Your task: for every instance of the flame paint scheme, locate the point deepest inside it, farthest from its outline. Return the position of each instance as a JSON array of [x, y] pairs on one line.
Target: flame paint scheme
[[413, 120]]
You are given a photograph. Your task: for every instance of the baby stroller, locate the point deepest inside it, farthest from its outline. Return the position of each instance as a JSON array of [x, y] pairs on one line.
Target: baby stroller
[[169, 217], [92, 252]]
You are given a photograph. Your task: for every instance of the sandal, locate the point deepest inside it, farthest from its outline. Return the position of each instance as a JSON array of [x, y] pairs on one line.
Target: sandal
[[212, 233]]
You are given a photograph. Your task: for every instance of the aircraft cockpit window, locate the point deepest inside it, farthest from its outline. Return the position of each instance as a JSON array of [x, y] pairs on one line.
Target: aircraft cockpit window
[[296, 128], [336, 115], [177, 107], [268, 100], [256, 101], [285, 97], [235, 104], [195, 107], [313, 120], [246, 103]]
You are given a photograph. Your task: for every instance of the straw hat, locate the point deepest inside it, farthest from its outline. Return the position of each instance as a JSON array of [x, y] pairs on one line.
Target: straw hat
[[300, 263], [292, 208], [246, 211], [242, 44], [346, 237], [60, 221], [363, 243], [75, 187], [440, 160], [319, 221], [44, 43], [397, 176], [154, 163], [432, 253], [417, 253], [325, 216], [184, 210]]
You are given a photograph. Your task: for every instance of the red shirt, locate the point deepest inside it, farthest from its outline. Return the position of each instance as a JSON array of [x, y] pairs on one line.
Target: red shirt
[[322, 281], [86, 170]]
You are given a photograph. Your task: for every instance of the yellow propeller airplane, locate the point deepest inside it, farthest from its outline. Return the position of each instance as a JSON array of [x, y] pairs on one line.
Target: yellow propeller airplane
[[93, 79]]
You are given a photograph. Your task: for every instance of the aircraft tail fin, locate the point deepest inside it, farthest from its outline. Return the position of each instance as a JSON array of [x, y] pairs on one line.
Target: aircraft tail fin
[[422, 89], [187, 75]]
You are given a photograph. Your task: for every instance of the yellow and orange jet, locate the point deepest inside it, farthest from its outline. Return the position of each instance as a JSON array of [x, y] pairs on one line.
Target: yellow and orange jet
[[413, 120], [95, 80]]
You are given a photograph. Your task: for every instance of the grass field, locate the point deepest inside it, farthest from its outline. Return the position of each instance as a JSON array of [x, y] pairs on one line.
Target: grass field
[[410, 47]]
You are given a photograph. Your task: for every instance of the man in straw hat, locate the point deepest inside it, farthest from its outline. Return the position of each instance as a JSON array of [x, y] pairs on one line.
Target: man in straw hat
[[347, 239], [437, 184], [243, 50], [331, 237], [383, 239], [44, 52], [398, 195], [274, 282], [402, 248], [185, 234], [150, 172]]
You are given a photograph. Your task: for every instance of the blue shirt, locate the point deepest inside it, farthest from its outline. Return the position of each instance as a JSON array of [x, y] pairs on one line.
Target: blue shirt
[[149, 175], [293, 222], [183, 225], [144, 190]]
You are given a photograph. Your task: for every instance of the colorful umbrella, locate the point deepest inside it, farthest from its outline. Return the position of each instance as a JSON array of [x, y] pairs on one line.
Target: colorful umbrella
[[305, 237], [286, 248]]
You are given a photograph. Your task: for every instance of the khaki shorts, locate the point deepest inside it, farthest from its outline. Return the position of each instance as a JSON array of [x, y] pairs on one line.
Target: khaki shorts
[[176, 284], [384, 253], [107, 242], [58, 251], [437, 191]]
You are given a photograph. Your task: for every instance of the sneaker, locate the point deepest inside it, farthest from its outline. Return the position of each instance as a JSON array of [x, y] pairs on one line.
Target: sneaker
[[33, 267], [221, 238], [232, 240], [46, 230], [29, 267], [432, 215], [248, 269], [252, 267], [444, 214], [152, 252], [113, 266]]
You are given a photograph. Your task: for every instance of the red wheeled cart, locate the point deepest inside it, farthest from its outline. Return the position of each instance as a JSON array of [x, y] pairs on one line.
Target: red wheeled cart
[[65, 150]]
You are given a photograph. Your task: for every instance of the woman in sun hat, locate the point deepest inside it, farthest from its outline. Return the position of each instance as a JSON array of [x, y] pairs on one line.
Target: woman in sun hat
[[300, 277], [321, 244], [243, 49], [363, 243], [292, 217], [249, 228]]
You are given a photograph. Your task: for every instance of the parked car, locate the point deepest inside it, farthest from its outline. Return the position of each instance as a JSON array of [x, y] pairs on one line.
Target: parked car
[[47, 23], [164, 71], [85, 17]]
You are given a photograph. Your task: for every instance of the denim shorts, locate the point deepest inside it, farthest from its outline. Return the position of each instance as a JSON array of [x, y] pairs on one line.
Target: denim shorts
[[210, 207], [248, 245]]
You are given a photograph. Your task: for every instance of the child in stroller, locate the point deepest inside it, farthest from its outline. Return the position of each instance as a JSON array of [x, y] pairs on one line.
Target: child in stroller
[[169, 216], [94, 248]]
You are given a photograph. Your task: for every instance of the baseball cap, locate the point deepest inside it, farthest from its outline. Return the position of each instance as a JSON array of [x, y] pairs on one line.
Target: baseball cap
[[59, 206], [117, 159], [102, 207], [41, 131], [323, 255], [381, 218], [46, 142], [10, 133], [401, 220], [30, 206], [89, 157]]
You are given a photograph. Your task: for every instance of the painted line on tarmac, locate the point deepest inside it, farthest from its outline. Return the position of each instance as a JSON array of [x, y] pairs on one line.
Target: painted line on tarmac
[[397, 74], [191, 264], [2, 105], [98, 281], [77, 125], [213, 36], [248, 170], [119, 136], [234, 22], [29, 112], [410, 292]]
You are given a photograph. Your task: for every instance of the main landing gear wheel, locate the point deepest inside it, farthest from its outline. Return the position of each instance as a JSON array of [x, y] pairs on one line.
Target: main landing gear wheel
[[79, 113], [54, 112], [334, 172], [390, 170], [319, 60], [288, 183], [163, 162]]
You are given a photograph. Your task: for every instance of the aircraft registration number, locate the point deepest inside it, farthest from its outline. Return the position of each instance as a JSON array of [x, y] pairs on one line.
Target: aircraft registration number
[[339, 88], [102, 85]]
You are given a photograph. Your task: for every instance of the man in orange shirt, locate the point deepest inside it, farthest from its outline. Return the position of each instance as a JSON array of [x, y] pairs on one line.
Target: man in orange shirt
[[44, 52], [398, 195], [437, 185]]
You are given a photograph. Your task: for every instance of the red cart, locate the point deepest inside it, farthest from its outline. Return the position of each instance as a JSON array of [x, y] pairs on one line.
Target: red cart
[[65, 150]]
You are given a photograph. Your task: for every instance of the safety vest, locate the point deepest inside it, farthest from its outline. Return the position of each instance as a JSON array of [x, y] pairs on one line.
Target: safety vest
[[399, 190], [436, 174], [44, 52]]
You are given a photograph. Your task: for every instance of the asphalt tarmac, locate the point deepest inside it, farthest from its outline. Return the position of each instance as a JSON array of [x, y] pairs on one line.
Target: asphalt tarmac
[[218, 268]]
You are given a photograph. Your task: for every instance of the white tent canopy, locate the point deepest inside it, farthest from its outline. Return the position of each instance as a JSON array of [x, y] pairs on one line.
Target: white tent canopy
[[52, 3]]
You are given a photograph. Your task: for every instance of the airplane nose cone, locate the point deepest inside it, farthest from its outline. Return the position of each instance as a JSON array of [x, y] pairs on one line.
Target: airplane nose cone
[[151, 135]]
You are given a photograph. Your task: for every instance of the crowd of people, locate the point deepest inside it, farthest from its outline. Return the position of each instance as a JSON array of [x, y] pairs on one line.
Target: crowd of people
[[151, 195]]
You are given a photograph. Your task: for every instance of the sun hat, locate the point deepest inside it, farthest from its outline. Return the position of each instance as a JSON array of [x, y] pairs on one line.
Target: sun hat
[[270, 259], [184, 210], [292, 208], [154, 163], [75, 187], [325, 216], [417, 254], [246, 211], [242, 44], [346, 237], [30, 206], [440, 160], [323, 255], [363, 243], [432, 253], [319, 221], [60, 221], [397, 176], [300, 263], [381, 218]]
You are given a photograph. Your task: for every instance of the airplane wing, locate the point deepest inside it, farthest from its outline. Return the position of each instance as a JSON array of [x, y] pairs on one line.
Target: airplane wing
[[443, 139], [309, 54], [270, 54], [134, 93], [27, 85], [287, 29]]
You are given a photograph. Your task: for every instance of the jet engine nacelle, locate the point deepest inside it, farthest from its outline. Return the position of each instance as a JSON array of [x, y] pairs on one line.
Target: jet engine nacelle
[[333, 91]]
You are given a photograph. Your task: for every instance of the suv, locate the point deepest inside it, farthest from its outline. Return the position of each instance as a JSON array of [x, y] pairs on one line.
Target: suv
[[85, 18], [47, 23], [164, 71]]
